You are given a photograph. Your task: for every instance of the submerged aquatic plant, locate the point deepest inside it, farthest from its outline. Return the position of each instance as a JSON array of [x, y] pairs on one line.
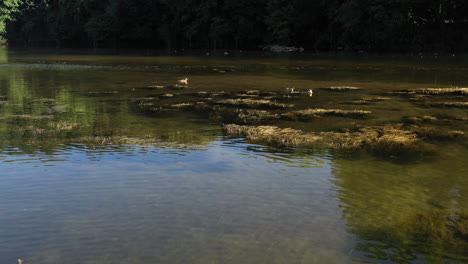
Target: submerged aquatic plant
[[312, 113], [440, 91], [342, 88], [436, 133], [252, 103], [369, 100], [275, 136], [450, 104], [63, 125], [117, 140], [434, 231], [31, 117], [386, 139], [253, 115]]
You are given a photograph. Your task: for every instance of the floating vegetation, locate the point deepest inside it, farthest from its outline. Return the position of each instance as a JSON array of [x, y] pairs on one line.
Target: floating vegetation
[[271, 135], [382, 139], [34, 131], [31, 117], [419, 120], [255, 115], [63, 126], [369, 100], [45, 100], [456, 133], [433, 133], [157, 87], [313, 113], [419, 97], [117, 140], [248, 95], [450, 104], [179, 106], [252, 103], [440, 91], [252, 92], [142, 99], [342, 88], [102, 92], [51, 129], [386, 139]]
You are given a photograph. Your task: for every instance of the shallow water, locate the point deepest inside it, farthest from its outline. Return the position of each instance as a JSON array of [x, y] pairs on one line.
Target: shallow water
[[88, 176]]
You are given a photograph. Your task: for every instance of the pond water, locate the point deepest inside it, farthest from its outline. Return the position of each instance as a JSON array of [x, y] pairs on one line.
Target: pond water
[[100, 163]]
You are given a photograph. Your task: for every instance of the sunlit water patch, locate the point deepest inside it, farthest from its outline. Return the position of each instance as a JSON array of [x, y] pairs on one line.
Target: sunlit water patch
[[151, 205]]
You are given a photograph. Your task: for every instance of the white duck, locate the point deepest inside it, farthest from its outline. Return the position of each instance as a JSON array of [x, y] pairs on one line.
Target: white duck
[[184, 81], [290, 90]]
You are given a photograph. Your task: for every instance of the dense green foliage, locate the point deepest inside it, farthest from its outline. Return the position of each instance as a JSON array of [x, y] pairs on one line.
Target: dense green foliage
[[369, 25]]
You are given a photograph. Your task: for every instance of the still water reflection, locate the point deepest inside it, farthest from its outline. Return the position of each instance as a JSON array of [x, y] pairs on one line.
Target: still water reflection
[[86, 176]]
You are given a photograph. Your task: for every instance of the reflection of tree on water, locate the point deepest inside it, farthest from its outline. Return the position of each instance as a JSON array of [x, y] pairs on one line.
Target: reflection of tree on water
[[406, 212], [3, 55], [42, 109]]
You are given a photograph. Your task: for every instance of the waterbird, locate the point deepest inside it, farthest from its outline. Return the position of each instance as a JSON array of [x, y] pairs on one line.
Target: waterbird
[[20, 261], [290, 90], [311, 92], [184, 81]]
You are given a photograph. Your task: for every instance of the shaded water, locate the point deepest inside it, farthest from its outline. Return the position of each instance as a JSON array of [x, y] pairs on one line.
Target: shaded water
[[88, 175]]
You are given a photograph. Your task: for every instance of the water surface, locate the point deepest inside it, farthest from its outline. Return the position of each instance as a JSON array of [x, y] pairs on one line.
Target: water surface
[[88, 176]]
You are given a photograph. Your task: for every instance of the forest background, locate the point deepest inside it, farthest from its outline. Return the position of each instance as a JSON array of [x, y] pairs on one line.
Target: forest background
[[317, 25]]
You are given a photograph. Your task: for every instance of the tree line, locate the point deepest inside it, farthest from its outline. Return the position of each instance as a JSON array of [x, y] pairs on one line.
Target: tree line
[[320, 25]]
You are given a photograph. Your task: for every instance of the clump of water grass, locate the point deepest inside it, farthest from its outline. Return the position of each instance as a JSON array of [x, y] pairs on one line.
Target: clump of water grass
[[252, 92], [143, 99], [386, 139], [435, 133], [170, 107], [102, 92], [382, 139], [45, 100], [421, 120], [255, 115], [450, 104], [314, 113], [369, 100], [34, 131], [272, 135], [63, 126], [342, 88], [247, 95], [31, 117], [117, 140], [181, 106], [420, 97], [157, 87], [252, 103], [440, 91]]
